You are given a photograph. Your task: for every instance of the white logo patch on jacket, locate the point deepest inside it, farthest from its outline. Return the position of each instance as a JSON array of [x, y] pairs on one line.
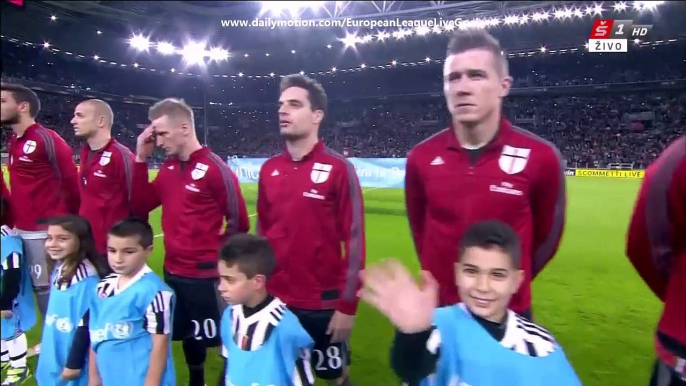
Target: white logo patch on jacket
[[199, 171], [320, 172], [513, 159]]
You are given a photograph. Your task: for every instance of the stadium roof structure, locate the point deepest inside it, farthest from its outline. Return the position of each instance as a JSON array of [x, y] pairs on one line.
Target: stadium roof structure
[[156, 34]]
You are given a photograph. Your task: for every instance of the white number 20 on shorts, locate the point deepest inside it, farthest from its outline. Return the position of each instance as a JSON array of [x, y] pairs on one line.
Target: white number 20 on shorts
[[206, 330]]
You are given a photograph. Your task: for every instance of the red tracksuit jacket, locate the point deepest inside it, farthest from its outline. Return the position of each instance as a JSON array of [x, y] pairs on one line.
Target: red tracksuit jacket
[[656, 246], [43, 177], [106, 188], [518, 179], [312, 213], [196, 196]]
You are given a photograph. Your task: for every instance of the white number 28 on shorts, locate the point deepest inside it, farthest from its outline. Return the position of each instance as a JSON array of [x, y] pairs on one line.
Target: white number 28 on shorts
[[331, 357]]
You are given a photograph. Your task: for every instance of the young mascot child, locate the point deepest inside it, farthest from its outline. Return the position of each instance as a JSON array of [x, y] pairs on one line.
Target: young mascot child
[[16, 306], [262, 340], [130, 318], [65, 343], [479, 342]]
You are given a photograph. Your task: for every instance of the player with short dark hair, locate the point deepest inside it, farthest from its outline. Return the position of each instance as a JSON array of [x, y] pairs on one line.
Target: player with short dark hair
[[106, 170], [482, 167], [476, 342], [310, 208], [130, 319], [198, 192], [656, 246], [263, 342], [43, 177]]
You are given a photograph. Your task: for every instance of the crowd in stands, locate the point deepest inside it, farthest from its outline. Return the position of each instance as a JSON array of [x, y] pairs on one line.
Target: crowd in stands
[[589, 129]]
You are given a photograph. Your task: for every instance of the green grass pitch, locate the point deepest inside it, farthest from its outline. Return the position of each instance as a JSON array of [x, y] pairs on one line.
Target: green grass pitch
[[589, 296]]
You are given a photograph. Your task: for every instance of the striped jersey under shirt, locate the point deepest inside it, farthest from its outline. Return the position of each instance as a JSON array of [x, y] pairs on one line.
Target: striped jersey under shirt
[[158, 314], [252, 331]]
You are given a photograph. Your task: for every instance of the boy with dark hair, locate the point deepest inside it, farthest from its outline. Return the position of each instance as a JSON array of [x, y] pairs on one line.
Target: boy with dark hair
[[477, 342], [130, 319], [262, 341]]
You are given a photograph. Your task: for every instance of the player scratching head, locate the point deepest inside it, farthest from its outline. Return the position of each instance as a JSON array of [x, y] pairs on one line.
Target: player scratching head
[[173, 124], [302, 108], [70, 243], [476, 78], [19, 107], [129, 243], [489, 271], [92, 121], [245, 263]]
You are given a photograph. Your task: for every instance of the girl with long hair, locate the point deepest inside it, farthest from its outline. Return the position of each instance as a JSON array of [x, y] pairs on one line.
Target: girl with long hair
[[76, 273]]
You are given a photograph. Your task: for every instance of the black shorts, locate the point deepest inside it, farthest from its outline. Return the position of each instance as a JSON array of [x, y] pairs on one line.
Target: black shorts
[[328, 359], [198, 310], [664, 376]]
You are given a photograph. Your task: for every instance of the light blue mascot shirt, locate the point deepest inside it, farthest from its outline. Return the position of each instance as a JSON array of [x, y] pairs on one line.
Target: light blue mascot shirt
[[24, 307], [67, 306], [271, 364], [118, 337], [470, 356]]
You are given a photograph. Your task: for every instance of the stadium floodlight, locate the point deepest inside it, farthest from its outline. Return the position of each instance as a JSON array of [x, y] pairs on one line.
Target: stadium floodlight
[[139, 42], [598, 9], [647, 5], [219, 54], [328, 46], [135, 65], [240, 74], [349, 40], [428, 59], [96, 57], [271, 74], [246, 55], [577, 12], [46, 45], [621, 6], [363, 65], [173, 70], [333, 69], [53, 18], [394, 62], [277, 8], [367, 38], [511, 20], [302, 72], [194, 53], [98, 32], [436, 29], [165, 48], [543, 49], [292, 51], [422, 30]]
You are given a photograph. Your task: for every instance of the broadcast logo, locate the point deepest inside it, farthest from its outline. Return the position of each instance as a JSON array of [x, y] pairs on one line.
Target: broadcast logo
[[614, 35]]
